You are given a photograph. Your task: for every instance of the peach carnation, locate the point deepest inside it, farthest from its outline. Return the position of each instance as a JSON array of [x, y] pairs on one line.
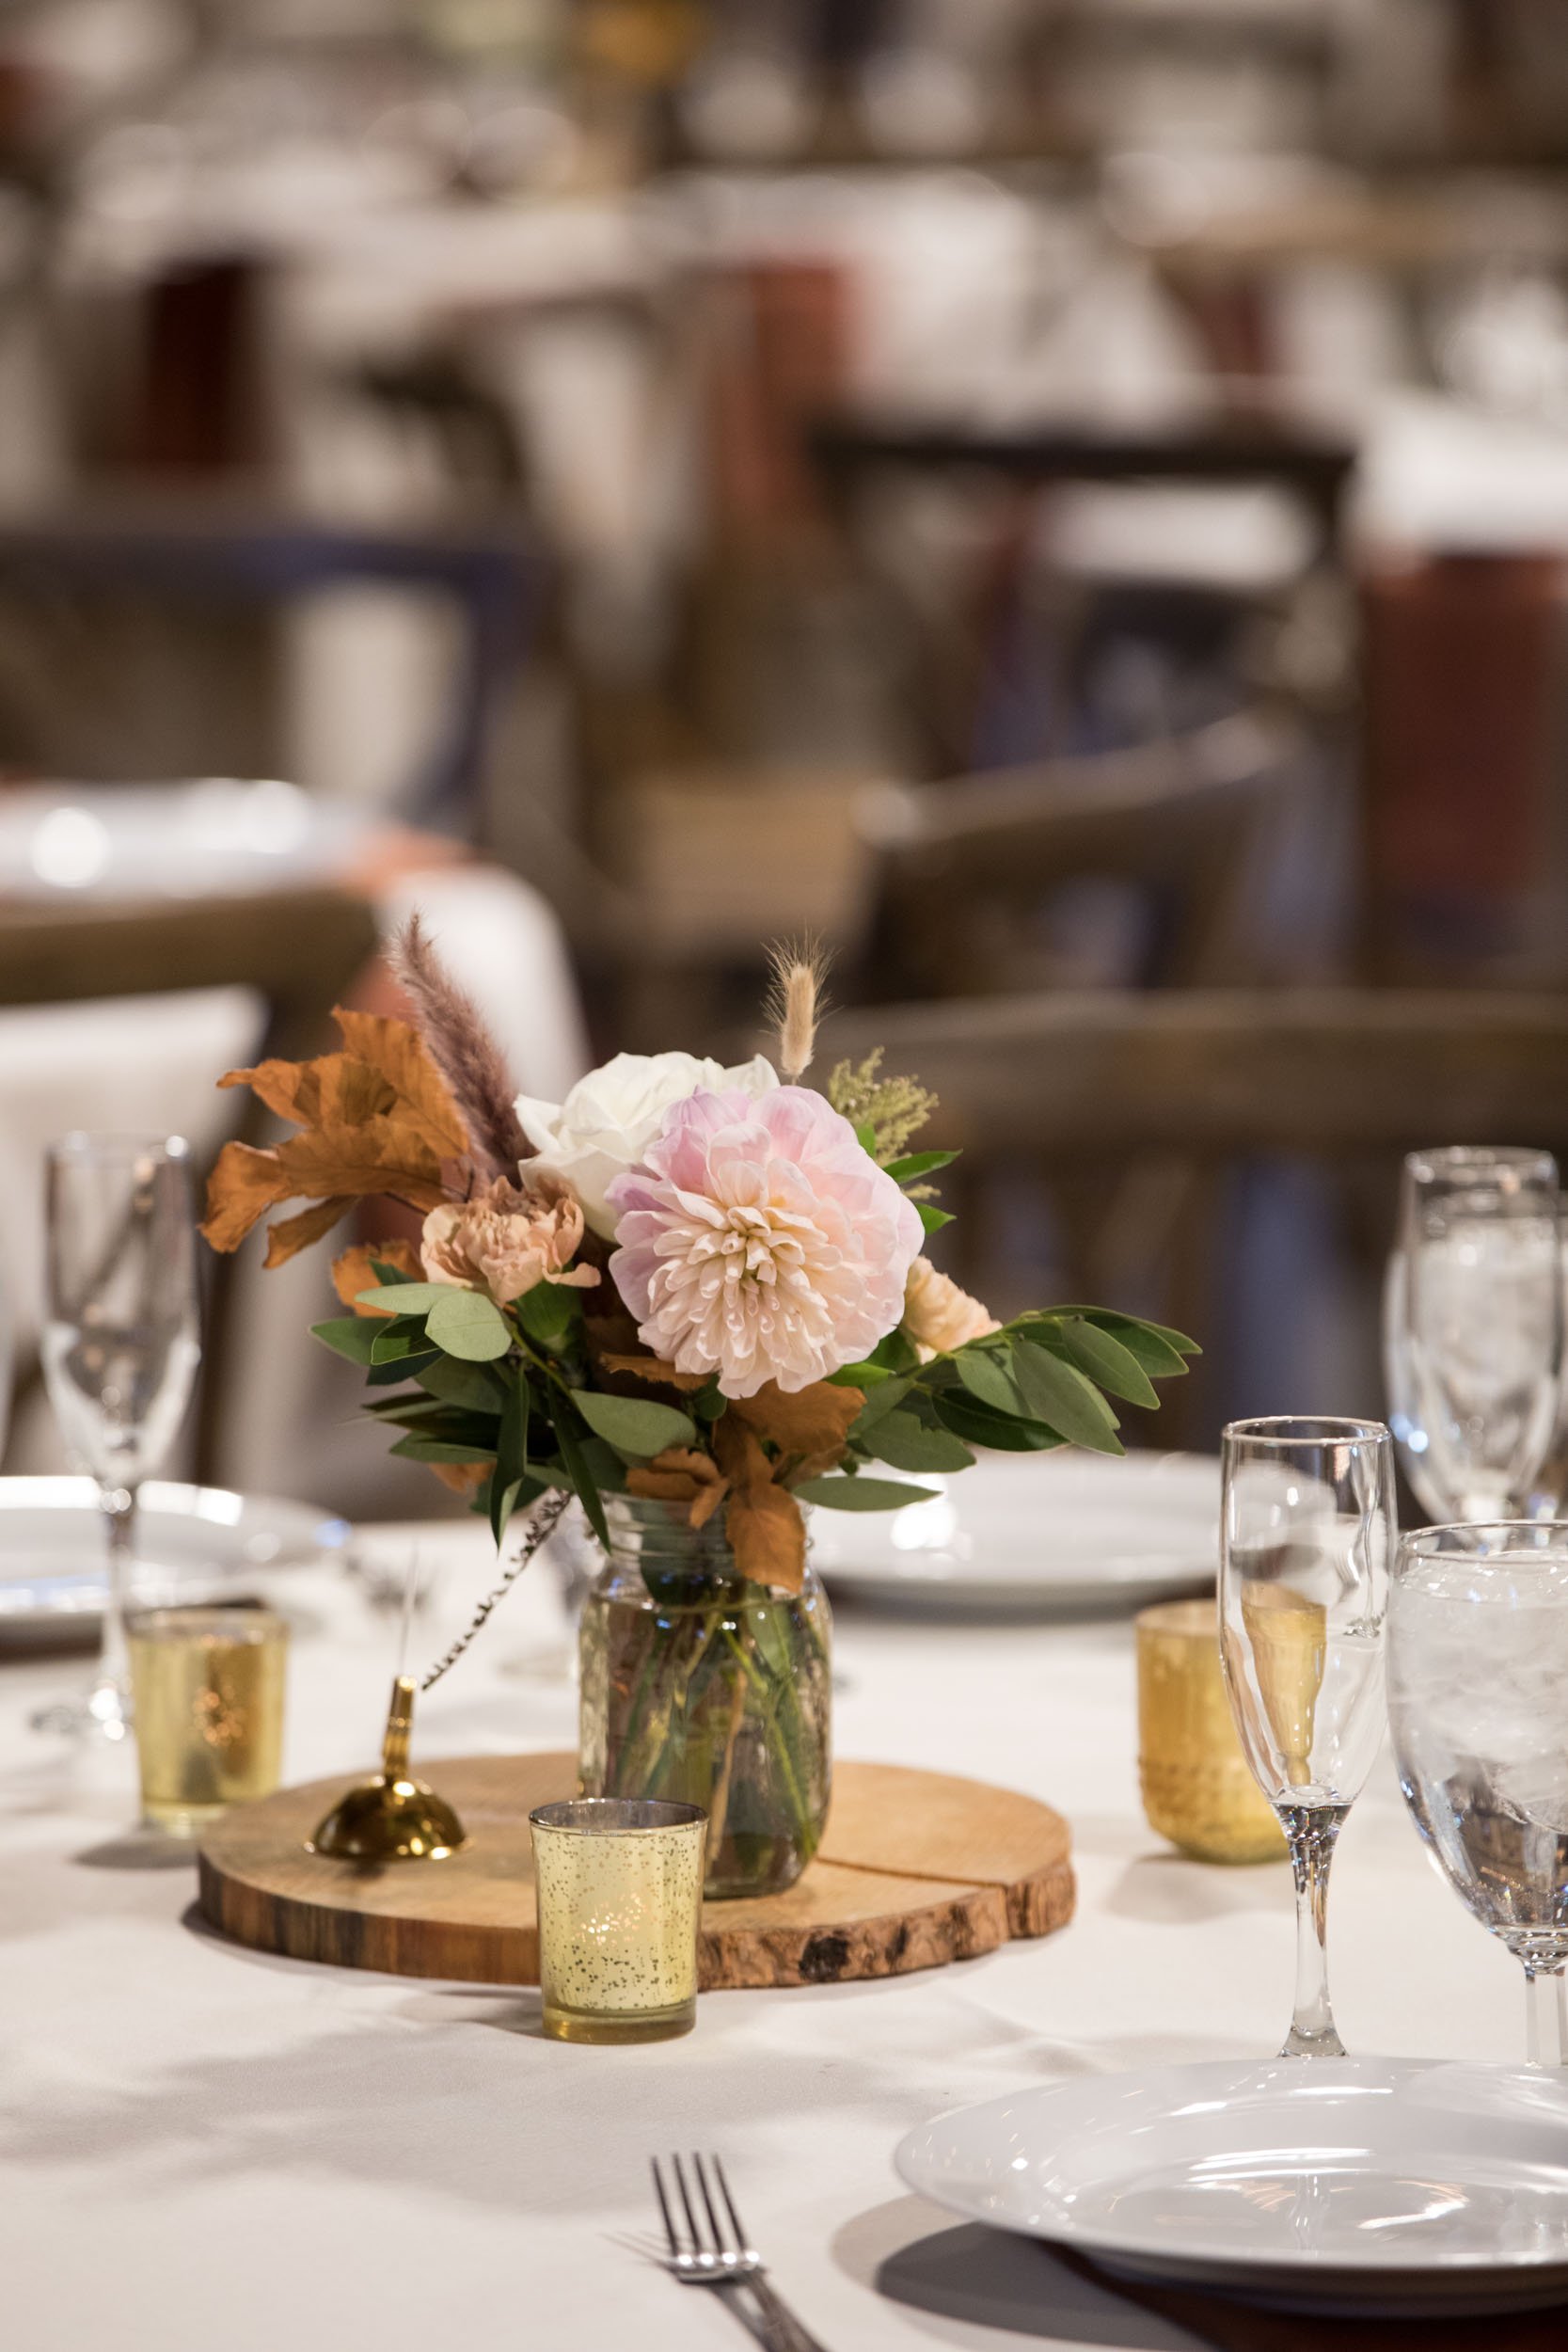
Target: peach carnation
[[506, 1239], [759, 1240], [938, 1315]]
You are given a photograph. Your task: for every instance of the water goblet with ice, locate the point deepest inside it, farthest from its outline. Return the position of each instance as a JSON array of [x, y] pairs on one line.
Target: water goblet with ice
[[1478, 1698], [1473, 1330]]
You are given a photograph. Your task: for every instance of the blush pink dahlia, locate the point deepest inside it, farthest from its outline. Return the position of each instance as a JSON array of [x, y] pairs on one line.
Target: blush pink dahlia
[[759, 1240]]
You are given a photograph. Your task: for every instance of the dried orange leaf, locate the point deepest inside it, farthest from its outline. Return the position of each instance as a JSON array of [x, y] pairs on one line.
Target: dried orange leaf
[[707, 1501], [401, 1057], [243, 1186], [680, 1474], [768, 1536], [741, 1455], [349, 1091], [381, 1154], [339, 1088], [653, 1368], [464, 1478], [294, 1233], [813, 1421], [354, 1271], [662, 1486]]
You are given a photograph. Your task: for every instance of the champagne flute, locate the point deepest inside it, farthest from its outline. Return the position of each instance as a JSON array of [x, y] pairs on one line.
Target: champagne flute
[[119, 1350], [1306, 1535], [1473, 1329], [1478, 1699]]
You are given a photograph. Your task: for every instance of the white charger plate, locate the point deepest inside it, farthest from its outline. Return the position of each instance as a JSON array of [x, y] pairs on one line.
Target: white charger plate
[[193, 1543], [1033, 1534], [1371, 2185]]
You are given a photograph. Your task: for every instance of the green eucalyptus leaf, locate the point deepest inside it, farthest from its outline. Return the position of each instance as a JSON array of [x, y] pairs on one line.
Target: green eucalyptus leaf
[[987, 1377], [999, 1433], [581, 1477], [1163, 1353], [1058, 1394], [918, 1164], [861, 1494], [500, 1501], [440, 1450], [908, 1444], [547, 1312], [349, 1336], [637, 1424], [411, 1409], [467, 1325], [476, 1387], [884, 1396], [932, 1219], [392, 1274], [605, 1466], [404, 1368], [394, 1342], [405, 1299], [1106, 1362], [510, 1456], [767, 1631]]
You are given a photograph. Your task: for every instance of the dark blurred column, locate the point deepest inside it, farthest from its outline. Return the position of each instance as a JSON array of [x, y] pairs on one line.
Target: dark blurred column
[[1464, 675], [200, 408]]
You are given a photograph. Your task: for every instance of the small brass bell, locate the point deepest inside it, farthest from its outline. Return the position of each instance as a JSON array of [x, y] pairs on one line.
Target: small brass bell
[[391, 1817]]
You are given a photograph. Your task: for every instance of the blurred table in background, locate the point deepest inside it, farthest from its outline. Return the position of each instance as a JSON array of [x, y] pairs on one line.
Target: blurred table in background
[[155, 937]]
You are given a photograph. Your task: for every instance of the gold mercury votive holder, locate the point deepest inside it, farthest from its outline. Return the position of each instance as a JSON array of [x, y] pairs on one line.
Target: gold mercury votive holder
[[207, 1695], [1197, 1785], [620, 1896]]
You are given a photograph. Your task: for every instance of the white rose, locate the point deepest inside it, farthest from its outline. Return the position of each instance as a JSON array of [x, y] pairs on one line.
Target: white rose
[[609, 1118]]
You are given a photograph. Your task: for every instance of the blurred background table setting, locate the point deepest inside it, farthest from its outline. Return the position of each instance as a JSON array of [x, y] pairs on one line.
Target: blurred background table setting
[[1064, 505]]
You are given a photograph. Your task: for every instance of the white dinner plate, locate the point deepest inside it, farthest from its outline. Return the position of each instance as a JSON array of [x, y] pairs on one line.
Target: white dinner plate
[[1370, 2186], [193, 1543], [1033, 1534]]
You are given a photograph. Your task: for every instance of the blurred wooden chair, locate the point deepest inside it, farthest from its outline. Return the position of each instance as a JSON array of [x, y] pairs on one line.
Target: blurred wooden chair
[[965, 874], [996, 650], [1136, 1105], [300, 951], [138, 639]]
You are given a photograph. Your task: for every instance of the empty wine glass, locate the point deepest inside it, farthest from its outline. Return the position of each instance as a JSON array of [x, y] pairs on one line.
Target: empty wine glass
[[1306, 1535], [119, 1350], [1473, 1329], [1478, 1698]]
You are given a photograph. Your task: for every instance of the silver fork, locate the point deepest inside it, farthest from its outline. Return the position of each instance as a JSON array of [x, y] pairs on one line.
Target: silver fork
[[722, 2255]]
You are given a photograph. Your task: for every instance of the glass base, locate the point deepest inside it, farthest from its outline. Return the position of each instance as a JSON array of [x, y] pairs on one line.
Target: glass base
[[612, 2026], [180, 1821], [102, 1713], [1324, 2044]]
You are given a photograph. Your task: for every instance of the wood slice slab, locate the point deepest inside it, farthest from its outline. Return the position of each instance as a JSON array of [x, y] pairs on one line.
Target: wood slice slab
[[916, 1869]]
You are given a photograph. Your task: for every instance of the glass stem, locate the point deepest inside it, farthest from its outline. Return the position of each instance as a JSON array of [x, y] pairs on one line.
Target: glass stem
[[1546, 2015], [119, 1505], [1312, 1832]]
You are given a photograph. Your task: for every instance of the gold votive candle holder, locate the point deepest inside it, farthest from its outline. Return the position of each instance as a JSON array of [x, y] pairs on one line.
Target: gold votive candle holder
[[1197, 1785], [619, 1882], [206, 1698]]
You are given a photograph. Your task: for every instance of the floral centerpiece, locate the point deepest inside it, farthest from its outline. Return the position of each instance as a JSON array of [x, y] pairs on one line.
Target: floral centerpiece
[[696, 1299]]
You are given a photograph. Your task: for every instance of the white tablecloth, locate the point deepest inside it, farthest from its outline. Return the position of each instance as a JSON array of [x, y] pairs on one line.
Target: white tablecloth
[[203, 2147]]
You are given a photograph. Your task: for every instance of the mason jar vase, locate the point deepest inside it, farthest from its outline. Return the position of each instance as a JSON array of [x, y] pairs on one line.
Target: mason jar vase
[[702, 1687]]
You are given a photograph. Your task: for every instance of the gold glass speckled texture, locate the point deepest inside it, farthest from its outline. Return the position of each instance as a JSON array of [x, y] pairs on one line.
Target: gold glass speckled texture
[[620, 1895], [1198, 1790], [207, 1690]]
